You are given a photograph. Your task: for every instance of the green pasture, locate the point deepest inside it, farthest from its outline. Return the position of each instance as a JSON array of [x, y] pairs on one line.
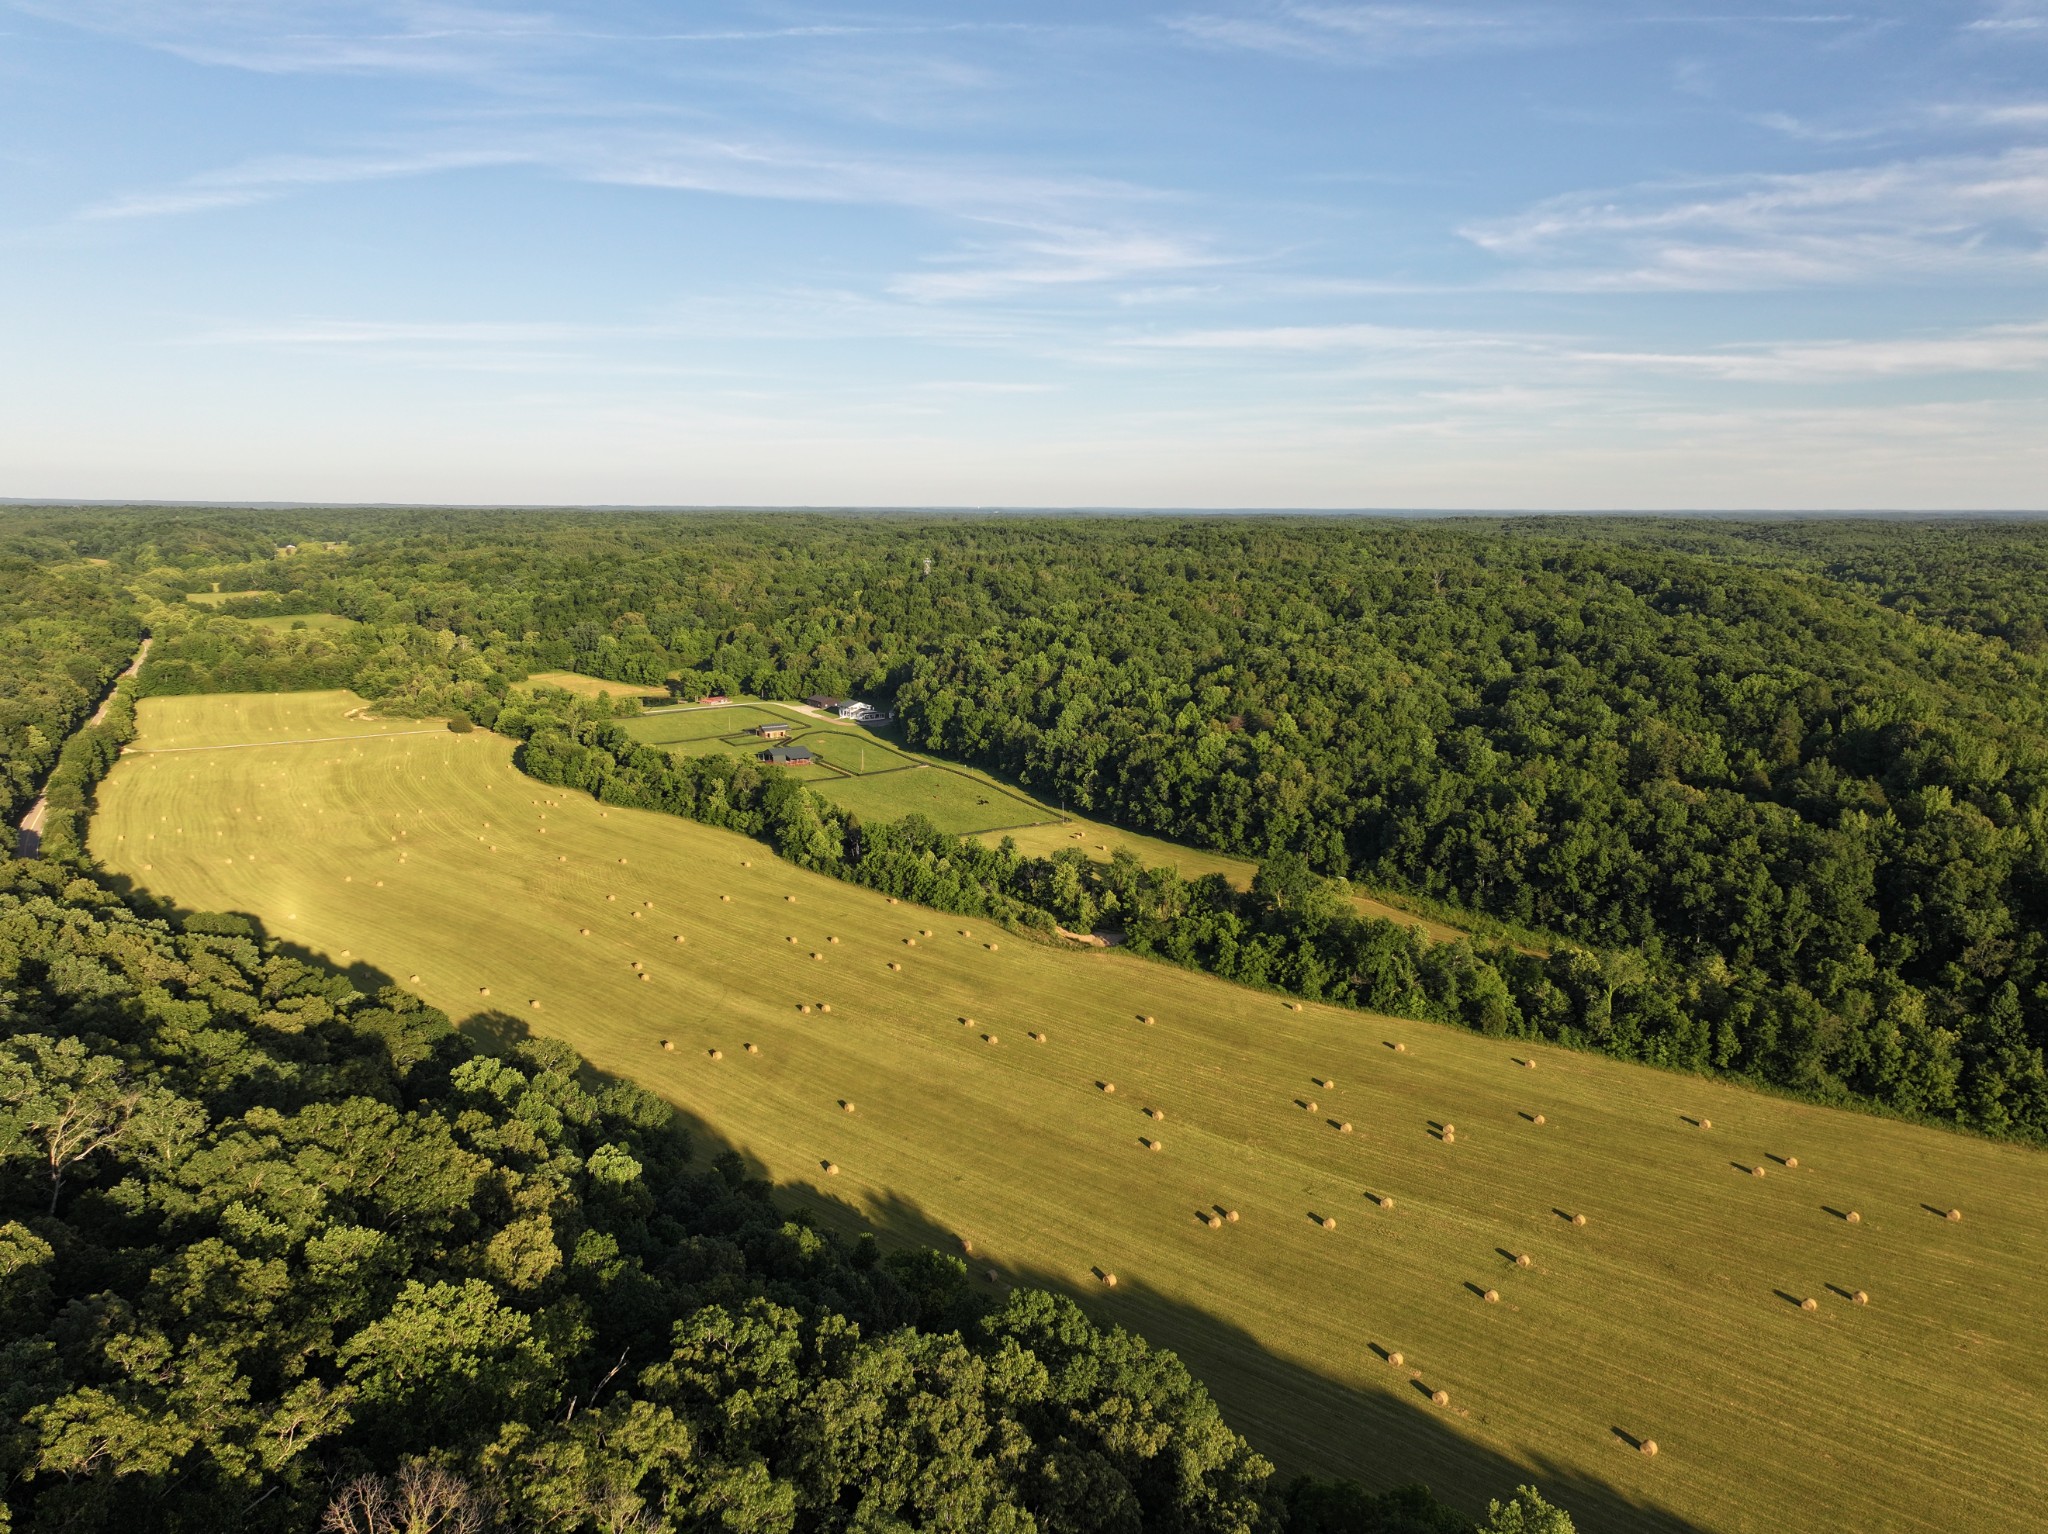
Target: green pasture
[[215, 598], [1672, 1314], [859, 770], [591, 686], [317, 622], [700, 723]]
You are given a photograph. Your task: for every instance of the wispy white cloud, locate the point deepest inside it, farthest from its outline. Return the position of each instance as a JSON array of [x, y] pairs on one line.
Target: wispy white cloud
[[1369, 34], [1528, 359], [1904, 220], [259, 180]]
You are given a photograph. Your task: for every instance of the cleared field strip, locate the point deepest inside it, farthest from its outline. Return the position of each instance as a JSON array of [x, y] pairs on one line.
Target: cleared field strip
[[1673, 1313]]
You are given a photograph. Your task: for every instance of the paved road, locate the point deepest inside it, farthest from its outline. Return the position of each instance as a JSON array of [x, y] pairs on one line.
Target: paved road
[[28, 841]]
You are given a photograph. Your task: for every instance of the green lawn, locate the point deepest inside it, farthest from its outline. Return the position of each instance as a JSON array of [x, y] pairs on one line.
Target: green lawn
[[677, 726], [878, 780], [591, 686], [1672, 1313], [215, 598], [313, 621]]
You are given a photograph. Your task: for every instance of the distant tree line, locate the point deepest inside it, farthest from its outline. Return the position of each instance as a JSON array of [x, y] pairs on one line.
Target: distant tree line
[[1785, 785]]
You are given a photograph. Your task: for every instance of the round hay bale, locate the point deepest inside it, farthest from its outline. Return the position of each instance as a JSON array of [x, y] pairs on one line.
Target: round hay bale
[[611, 897], [816, 955], [924, 932], [535, 1003], [966, 932], [1521, 1259], [1038, 1038], [1756, 1171], [1859, 1298], [791, 899], [483, 990], [645, 976], [1539, 1120], [1109, 1279], [831, 1169], [991, 947], [1648, 1448], [622, 861], [992, 1275], [1329, 1222], [1493, 1296], [725, 897], [1400, 1049], [1440, 1398], [1706, 1123], [832, 939], [1528, 1065], [845, 1105], [1155, 1113], [1309, 1106], [1109, 1087], [744, 863], [1344, 1128], [1213, 1221], [669, 1045], [910, 942], [753, 1049], [1294, 1006], [989, 1038], [1396, 1360], [894, 965], [1809, 1303], [1148, 1019], [1450, 1129], [1230, 1215], [1853, 1218], [892, 900], [679, 937], [1791, 1163], [824, 1006], [1154, 1145], [413, 979], [1450, 1137], [717, 1054], [966, 1022], [966, 1245], [1384, 1201], [803, 1006], [1578, 1219], [1953, 1216]]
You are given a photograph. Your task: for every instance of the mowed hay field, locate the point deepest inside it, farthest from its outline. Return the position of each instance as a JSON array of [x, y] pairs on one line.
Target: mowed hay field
[[1672, 1314]]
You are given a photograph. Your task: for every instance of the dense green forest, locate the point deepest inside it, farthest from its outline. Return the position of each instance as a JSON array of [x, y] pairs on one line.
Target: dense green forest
[[278, 1255], [64, 633], [1771, 793], [1762, 798]]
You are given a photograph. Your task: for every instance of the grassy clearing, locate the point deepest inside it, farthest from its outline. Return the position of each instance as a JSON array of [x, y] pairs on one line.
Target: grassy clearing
[[1671, 1314], [215, 598], [1101, 842], [591, 686], [722, 722], [317, 622], [861, 771]]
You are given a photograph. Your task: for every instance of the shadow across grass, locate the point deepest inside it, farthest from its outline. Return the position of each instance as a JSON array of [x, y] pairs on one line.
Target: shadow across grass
[[1305, 1421]]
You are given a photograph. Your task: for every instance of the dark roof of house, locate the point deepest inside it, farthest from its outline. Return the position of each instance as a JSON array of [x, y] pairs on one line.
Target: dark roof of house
[[819, 700], [788, 755], [773, 727]]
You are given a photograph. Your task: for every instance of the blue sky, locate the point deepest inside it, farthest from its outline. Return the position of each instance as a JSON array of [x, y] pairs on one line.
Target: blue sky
[[1220, 253]]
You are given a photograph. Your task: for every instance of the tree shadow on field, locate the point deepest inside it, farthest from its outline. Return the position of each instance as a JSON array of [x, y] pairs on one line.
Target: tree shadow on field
[[1297, 1416], [1301, 1419]]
